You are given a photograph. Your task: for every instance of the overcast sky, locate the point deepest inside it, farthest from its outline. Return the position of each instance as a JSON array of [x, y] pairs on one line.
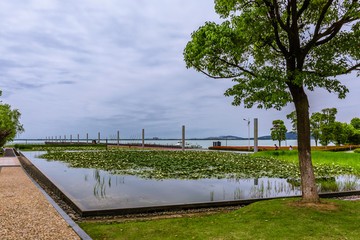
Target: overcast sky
[[84, 66]]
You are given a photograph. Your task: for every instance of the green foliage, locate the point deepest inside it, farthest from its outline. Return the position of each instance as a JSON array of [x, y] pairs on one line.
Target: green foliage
[[274, 219], [328, 115], [9, 123], [355, 122], [263, 47], [278, 131], [315, 126], [357, 150], [188, 164], [292, 117], [341, 131], [324, 127]]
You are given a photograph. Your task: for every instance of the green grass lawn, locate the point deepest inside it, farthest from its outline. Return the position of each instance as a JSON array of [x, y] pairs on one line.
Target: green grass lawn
[[275, 219], [318, 157]]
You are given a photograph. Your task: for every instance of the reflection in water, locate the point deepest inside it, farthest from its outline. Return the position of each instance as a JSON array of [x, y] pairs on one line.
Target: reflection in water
[[338, 184], [238, 194], [270, 188], [100, 180], [100, 187]]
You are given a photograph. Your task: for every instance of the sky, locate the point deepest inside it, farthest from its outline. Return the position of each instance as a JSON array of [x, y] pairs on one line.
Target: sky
[[89, 66]]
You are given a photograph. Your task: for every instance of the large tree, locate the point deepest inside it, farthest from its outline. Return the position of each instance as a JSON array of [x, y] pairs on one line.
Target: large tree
[[9, 123], [274, 51]]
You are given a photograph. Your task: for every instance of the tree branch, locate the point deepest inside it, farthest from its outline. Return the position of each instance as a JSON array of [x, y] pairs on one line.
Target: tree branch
[[321, 18], [236, 66], [303, 8], [272, 19], [288, 10], [215, 77], [278, 18], [331, 31], [355, 67]]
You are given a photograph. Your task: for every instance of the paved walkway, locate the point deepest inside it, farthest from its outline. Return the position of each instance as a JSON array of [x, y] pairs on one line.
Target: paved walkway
[[25, 213]]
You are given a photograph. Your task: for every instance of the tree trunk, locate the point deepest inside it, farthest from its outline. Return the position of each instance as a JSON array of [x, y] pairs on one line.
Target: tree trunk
[[308, 183]]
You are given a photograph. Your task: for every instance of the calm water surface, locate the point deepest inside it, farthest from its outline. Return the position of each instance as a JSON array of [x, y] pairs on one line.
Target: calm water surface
[[93, 189]]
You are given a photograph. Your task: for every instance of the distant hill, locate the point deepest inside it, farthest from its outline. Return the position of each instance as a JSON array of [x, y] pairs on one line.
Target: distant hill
[[229, 137], [288, 135]]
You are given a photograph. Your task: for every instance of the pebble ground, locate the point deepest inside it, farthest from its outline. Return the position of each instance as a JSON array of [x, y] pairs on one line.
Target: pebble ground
[[25, 213]]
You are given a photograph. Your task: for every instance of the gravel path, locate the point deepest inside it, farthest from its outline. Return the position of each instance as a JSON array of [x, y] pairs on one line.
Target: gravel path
[[25, 213]]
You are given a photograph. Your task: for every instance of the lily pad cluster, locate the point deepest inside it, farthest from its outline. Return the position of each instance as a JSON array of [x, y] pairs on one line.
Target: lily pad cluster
[[188, 165]]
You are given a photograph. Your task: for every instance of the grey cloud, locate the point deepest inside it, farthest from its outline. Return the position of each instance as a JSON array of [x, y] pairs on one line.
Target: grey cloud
[[88, 66]]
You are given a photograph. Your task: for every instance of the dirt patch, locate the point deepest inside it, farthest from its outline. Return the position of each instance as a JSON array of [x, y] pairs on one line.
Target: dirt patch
[[322, 206]]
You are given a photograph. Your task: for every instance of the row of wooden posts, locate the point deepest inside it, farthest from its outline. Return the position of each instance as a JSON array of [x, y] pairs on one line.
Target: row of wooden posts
[[56, 139], [52, 139]]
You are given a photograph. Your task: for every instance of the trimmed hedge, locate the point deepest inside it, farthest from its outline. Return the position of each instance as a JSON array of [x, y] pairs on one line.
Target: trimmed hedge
[[246, 149], [260, 148]]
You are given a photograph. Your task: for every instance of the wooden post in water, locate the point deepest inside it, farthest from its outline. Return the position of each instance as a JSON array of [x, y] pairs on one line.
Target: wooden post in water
[[78, 139], [118, 138], [99, 137], [64, 138], [87, 138], [255, 135], [183, 137], [143, 138], [70, 138]]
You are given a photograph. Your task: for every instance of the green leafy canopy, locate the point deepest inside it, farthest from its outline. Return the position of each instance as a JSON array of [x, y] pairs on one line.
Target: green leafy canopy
[[265, 46], [9, 123]]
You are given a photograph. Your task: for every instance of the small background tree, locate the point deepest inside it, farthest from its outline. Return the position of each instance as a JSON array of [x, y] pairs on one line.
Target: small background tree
[[355, 122], [278, 131], [315, 126], [292, 117]]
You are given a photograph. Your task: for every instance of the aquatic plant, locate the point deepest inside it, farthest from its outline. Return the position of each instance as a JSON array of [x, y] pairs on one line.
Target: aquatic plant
[[188, 165]]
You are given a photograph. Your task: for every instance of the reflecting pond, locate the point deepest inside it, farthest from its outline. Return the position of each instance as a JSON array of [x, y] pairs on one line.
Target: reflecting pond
[[93, 189]]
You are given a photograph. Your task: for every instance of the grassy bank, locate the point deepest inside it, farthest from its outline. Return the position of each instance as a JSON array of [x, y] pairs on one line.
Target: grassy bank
[[276, 219], [318, 157]]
